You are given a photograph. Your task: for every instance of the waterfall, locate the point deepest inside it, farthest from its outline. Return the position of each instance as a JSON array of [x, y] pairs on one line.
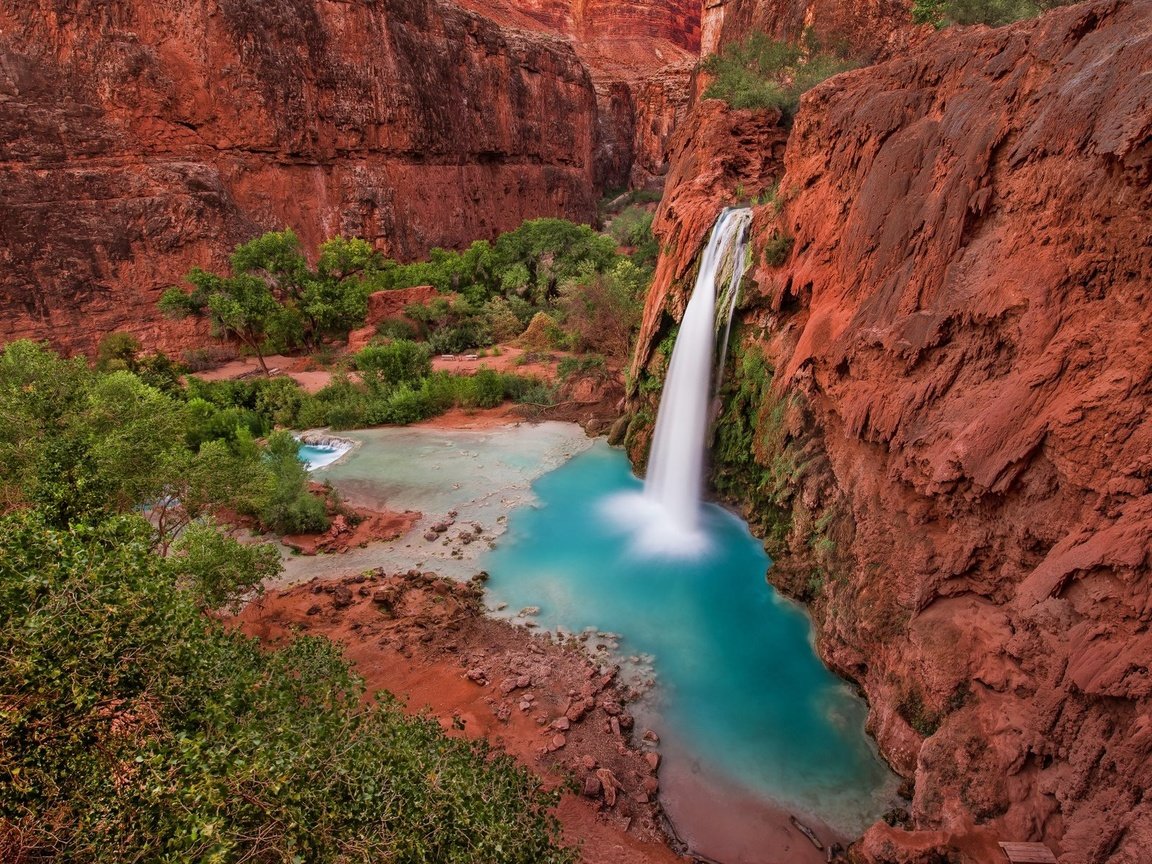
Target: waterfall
[[668, 515]]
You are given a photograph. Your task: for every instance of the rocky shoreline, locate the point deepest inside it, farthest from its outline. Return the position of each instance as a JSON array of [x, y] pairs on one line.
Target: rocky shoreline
[[547, 702]]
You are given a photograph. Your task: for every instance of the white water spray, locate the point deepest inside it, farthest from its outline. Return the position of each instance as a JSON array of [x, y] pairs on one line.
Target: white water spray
[[668, 515]]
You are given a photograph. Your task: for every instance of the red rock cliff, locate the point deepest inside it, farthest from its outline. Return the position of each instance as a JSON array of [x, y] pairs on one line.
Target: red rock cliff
[[140, 139], [955, 433]]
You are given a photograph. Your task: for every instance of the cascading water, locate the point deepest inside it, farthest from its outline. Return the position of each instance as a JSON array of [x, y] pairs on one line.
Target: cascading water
[[668, 515]]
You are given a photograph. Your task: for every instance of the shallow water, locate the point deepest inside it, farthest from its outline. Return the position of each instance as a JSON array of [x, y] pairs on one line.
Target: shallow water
[[741, 700], [481, 474]]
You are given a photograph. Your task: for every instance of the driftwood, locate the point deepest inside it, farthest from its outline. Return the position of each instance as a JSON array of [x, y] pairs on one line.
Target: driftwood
[[806, 831]]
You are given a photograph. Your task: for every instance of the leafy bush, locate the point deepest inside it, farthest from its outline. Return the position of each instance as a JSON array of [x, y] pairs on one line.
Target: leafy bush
[[399, 362], [777, 250], [995, 13], [761, 72], [290, 508], [602, 310], [135, 728], [633, 227]]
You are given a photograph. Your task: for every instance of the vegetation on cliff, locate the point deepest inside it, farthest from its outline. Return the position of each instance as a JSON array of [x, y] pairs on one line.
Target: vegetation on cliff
[[995, 13], [760, 72], [133, 726]]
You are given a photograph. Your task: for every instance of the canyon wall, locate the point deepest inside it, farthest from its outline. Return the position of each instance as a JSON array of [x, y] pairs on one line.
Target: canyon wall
[[938, 413], [867, 29], [139, 139]]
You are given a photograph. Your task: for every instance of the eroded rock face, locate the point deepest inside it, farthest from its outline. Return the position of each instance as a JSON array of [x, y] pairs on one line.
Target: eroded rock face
[[959, 376], [867, 29], [140, 139]]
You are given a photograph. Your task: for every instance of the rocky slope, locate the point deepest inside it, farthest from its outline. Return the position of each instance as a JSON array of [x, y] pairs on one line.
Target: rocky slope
[[939, 414], [138, 139]]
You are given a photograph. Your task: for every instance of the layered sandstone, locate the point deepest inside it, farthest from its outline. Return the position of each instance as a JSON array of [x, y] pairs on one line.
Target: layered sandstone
[[961, 375], [866, 29], [641, 55], [140, 139]]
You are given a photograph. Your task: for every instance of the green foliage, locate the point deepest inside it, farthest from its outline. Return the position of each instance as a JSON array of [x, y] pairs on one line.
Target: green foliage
[[117, 351], [500, 286], [633, 227], [290, 508], [761, 72], [753, 461], [995, 13], [135, 728], [78, 445], [601, 311], [591, 364], [400, 362], [274, 298], [217, 570], [777, 249]]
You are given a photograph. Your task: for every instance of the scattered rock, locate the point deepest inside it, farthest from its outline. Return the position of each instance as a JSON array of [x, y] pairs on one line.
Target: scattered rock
[[477, 675], [649, 735], [562, 724], [430, 535], [558, 741], [341, 596], [592, 786], [313, 610], [610, 785], [653, 760]]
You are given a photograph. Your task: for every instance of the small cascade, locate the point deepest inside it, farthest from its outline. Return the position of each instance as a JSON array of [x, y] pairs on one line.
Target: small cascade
[[669, 513]]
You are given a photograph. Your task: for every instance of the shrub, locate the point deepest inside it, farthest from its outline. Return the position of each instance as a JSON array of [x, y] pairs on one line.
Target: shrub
[[397, 328], [542, 333], [136, 728], [761, 72], [995, 13], [777, 250], [290, 508], [399, 362], [117, 348]]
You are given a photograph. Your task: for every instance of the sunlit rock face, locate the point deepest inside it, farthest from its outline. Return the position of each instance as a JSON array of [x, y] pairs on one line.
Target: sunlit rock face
[[139, 139], [958, 341]]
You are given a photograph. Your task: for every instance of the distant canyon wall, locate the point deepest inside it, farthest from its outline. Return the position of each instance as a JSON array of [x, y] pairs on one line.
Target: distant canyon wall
[[139, 139], [951, 427]]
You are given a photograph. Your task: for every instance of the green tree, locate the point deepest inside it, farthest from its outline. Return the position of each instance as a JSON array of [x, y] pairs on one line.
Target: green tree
[[241, 306], [136, 728], [117, 350], [290, 508], [401, 361], [274, 294]]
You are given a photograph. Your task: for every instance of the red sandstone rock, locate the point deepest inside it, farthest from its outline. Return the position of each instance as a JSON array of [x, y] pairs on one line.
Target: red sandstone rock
[[963, 334], [139, 141]]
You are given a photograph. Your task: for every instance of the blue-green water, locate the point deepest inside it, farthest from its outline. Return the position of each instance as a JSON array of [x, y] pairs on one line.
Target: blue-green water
[[316, 457], [740, 692]]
